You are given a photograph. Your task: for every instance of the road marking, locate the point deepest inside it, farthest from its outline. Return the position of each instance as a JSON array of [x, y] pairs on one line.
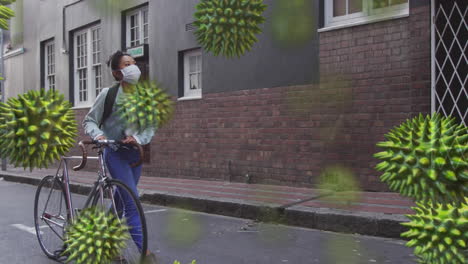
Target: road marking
[[155, 211], [28, 229]]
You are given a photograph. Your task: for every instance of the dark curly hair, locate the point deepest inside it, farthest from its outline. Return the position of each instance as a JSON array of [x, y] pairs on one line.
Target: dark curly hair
[[114, 59]]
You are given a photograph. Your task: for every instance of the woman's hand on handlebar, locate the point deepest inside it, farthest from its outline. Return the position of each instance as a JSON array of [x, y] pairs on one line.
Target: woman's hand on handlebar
[[129, 140], [102, 137]]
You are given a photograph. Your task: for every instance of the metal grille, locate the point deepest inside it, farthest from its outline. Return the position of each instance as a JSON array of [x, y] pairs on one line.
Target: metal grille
[[450, 64], [190, 27]]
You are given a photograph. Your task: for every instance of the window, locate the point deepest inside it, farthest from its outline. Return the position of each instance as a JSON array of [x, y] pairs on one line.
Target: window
[[340, 13], [88, 66], [97, 67], [137, 27], [49, 56], [192, 74]]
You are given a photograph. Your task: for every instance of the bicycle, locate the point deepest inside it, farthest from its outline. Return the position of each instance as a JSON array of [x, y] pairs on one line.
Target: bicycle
[[53, 205]]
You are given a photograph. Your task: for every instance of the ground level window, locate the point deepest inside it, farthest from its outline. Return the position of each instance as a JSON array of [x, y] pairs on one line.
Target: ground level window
[[192, 74], [350, 12]]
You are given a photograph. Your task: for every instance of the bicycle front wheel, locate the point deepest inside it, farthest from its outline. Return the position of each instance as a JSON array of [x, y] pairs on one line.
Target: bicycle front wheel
[[51, 215], [117, 198]]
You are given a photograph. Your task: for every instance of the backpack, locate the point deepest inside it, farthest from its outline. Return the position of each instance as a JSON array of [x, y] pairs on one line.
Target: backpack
[[109, 103]]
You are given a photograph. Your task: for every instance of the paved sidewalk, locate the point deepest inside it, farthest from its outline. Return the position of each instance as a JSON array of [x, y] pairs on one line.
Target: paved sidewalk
[[377, 214]]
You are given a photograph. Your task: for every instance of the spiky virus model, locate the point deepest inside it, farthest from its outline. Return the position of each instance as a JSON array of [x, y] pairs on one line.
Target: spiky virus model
[[439, 235], [36, 128], [95, 237], [5, 13], [426, 158], [146, 106], [228, 27]]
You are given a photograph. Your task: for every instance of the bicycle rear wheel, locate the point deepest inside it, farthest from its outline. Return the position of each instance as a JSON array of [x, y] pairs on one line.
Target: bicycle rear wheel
[[51, 215], [118, 199]]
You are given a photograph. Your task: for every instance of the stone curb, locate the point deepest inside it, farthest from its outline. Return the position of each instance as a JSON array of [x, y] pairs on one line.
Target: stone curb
[[373, 224]]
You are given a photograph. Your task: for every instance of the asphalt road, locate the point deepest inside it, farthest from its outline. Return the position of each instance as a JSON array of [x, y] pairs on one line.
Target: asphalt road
[[210, 239]]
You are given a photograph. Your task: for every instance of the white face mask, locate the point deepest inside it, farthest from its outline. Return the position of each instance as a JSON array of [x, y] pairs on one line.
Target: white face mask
[[131, 74]]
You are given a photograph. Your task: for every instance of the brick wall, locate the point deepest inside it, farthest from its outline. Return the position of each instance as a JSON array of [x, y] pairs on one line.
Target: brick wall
[[386, 67], [373, 77]]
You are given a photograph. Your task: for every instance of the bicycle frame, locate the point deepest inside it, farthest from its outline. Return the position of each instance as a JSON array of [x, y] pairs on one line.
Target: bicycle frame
[[103, 189], [98, 185], [65, 178]]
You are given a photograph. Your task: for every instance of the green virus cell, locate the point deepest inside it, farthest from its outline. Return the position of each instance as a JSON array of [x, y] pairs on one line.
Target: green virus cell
[[183, 229], [36, 128], [228, 27], [5, 13], [95, 237], [439, 235], [339, 186], [147, 106], [426, 158], [292, 22]]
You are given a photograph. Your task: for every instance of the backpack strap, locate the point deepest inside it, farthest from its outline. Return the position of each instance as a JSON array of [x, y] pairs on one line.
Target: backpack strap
[[109, 103]]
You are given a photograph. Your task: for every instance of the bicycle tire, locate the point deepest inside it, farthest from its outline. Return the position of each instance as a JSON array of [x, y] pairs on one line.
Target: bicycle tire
[[51, 189], [133, 253]]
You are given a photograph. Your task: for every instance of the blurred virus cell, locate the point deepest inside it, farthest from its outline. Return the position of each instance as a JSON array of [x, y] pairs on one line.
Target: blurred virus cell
[[183, 228], [293, 22]]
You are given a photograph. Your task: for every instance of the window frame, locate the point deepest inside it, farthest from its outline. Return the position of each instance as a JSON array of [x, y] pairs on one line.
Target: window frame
[[368, 15], [188, 93], [91, 88], [47, 74], [141, 27]]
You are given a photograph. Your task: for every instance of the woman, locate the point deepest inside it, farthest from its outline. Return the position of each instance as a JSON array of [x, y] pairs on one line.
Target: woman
[[111, 126]]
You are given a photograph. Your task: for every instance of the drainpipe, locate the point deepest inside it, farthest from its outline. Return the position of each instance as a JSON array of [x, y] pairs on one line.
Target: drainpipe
[[64, 24], [2, 86]]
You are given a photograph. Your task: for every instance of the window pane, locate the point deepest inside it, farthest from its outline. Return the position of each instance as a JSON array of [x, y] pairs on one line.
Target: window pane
[[137, 36], [145, 17], [199, 63], [145, 26], [97, 79], [82, 85], [355, 6], [193, 81], [132, 35], [145, 33], [199, 81], [133, 21], [339, 8], [192, 64]]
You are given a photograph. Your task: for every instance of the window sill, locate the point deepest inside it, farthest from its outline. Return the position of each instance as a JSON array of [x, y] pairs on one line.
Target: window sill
[[13, 53], [81, 107], [364, 21], [188, 98]]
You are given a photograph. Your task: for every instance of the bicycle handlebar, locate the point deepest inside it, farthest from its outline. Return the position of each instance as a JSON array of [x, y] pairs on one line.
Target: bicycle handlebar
[[84, 158]]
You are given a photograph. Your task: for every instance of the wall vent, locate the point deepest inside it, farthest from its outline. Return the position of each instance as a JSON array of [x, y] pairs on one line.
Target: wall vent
[[190, 27]]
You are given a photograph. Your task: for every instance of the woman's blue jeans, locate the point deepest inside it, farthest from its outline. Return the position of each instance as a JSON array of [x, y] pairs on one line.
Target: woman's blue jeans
[[118, 163]]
